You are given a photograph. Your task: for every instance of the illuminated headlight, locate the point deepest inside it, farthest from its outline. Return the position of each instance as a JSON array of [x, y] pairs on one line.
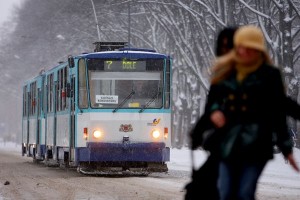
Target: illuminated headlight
[[97, 134], [155, 134]]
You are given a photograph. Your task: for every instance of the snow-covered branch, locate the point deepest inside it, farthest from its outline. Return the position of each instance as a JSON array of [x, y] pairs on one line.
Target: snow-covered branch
[[209, 10], [254, 10], [296, 59], [291, 2]]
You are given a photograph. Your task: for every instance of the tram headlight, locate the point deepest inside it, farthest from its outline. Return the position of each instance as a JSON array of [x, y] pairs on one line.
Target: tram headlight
[[155, 134], [97, 134]]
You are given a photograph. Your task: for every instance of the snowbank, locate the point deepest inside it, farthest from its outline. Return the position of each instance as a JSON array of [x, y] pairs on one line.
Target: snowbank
[[181, 159]]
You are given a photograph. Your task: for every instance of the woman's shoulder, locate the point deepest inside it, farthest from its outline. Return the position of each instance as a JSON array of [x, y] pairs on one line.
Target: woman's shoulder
[[268, 70], [269, 67], [271, 74]]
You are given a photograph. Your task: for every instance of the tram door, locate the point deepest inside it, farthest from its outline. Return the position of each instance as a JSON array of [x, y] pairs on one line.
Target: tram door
[[54, 151], [38, 124], [40, 141], [72, 119], [50, 124], [25, 129]]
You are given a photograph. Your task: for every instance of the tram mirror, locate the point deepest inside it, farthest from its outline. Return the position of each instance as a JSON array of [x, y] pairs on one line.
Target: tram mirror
[[69, 90], [71, 61]]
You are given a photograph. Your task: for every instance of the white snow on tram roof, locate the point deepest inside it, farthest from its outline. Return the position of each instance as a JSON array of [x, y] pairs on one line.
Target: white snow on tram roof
[[121, 52]]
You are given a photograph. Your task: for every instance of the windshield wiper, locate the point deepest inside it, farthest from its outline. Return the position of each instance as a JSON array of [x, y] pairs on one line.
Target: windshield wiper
[[124, 101], [150, 101]]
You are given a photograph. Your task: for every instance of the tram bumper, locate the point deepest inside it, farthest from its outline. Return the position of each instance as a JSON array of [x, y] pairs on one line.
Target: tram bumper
[[123, 152]]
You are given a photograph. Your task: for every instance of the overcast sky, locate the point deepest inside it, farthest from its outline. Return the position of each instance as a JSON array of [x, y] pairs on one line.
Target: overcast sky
[[6, 8]]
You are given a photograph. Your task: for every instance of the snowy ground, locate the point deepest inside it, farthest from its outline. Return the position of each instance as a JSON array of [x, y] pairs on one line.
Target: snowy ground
[[278, 181]]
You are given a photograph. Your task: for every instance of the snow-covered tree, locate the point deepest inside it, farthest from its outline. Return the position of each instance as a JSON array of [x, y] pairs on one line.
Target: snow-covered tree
[[46, 32]]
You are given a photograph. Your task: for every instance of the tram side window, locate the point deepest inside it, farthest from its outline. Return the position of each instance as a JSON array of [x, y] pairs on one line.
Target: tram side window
[[61, 90], [50, 96], [33, 98], [64, 91], [58, 91], [168, 87], [44, 96], [25, 101], [82, 84]]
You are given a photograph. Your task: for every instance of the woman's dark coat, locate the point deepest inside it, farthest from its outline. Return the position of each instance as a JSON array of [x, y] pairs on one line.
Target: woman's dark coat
[[258, 101]]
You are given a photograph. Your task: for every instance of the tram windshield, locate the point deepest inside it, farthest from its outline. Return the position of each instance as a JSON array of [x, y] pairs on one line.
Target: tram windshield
[[119, 86]]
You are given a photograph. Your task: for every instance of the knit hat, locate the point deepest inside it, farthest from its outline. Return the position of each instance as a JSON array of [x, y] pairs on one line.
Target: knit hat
[[251, 37]]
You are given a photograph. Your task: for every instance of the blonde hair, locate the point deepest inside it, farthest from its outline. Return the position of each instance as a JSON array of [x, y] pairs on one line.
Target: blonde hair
[[225, 65]]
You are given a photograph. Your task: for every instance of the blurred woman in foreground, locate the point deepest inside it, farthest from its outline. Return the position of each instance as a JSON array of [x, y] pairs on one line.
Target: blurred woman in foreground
[[245, 106]]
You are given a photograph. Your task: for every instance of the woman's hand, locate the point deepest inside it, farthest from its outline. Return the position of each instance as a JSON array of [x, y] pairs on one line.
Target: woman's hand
[[292, 161], [218, 118]]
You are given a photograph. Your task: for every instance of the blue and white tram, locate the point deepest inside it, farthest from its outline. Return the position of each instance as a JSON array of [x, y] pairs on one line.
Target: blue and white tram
[[101, 111]]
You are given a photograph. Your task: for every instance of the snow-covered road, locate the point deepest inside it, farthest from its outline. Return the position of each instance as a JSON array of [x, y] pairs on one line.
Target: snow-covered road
[[35, 181]]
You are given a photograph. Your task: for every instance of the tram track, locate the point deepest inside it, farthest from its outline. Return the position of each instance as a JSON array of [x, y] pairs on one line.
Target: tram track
[[28, 180]]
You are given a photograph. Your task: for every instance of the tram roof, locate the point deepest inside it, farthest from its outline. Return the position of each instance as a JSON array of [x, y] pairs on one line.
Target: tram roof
[[124, 54]]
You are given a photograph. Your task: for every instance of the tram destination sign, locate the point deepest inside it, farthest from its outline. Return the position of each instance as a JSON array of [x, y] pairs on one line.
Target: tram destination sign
[[107, 99], [125, 65]]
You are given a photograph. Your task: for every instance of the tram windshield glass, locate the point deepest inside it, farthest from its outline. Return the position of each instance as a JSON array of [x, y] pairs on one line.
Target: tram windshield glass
[[125, 84]]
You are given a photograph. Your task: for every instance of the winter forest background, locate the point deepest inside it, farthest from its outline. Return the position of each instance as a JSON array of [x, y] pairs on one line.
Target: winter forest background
[[43, 33]]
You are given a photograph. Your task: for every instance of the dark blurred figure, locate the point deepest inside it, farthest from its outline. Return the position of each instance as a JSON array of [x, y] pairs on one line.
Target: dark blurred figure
[[205, 179], [225, 41], [292, 108], [245, 106]]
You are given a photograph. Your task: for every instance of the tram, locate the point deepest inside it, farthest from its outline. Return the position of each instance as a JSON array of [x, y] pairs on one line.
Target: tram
[[102, 112]]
